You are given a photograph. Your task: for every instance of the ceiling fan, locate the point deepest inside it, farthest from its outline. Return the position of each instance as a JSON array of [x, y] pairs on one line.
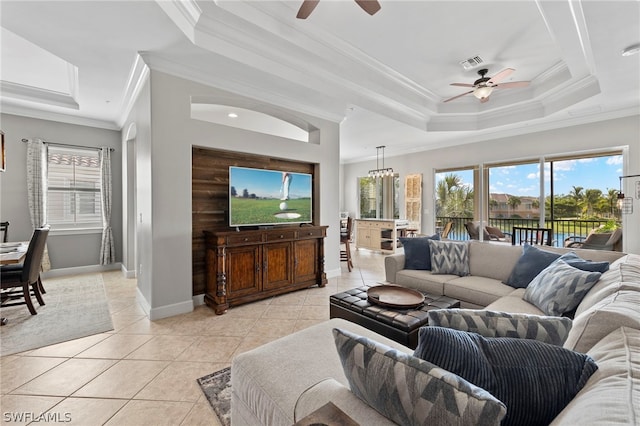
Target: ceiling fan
[[483, 86], [369, 6]]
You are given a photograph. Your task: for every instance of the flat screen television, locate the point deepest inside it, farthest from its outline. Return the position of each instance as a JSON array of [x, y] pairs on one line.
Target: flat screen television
[[261, 197]]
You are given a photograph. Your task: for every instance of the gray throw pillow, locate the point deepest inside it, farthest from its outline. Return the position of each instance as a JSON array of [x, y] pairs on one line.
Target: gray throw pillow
[[416, 252], [410, 391], [448, 257], [529, 265], [535, 380], [559, 288], [552, 330]]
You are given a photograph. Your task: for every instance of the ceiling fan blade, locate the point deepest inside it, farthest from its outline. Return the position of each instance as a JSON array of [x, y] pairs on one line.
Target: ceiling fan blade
[[369, 6], [462, 84], [459, 96], [306, 8], [513, 84], [501, 76]]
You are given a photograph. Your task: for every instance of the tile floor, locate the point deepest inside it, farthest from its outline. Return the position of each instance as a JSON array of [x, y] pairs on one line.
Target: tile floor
[[144, 372]]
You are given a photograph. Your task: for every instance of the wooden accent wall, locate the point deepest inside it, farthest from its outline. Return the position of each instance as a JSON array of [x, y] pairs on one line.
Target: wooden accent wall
[[210, 196]]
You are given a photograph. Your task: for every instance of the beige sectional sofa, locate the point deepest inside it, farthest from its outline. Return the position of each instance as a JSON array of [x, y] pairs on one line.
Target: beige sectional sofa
[[285, 380]]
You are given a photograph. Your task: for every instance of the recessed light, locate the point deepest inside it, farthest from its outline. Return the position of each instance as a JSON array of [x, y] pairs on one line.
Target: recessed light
[[631, 50], [232, 115]]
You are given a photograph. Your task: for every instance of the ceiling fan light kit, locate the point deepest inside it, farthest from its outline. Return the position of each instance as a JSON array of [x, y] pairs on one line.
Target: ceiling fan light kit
[[483, 92], [483, 87], [369, 6]]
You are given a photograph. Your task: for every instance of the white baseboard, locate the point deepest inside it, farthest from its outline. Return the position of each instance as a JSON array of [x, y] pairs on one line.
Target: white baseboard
[[333, 273], [171, 310], [61, 272], [128, 273], [163, 311], [198, 300]]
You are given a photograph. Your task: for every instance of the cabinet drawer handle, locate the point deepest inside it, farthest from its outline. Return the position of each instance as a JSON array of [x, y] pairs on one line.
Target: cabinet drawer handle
[[281, 236], [310, 233], [246, 239]]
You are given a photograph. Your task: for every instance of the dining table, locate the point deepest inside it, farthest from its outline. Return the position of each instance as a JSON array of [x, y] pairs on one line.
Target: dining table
[[12, 253]]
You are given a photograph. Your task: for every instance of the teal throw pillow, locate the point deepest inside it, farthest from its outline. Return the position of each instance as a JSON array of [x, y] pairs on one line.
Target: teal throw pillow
[[586, 265], [534, 380], [529, 265], [416, 252]]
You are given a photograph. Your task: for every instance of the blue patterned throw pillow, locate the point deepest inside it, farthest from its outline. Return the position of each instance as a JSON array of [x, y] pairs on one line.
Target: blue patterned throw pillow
[[535, 380], [552, 330], [559, 288], [586, 265], [448, 257], [531, 263], [416, 252], [410, 391]]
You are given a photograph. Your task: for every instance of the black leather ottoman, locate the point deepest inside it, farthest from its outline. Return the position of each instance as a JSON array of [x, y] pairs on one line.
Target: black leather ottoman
[[400, 325]]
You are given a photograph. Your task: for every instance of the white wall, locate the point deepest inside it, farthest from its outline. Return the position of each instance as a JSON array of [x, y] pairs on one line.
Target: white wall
[[599, 136], [166, 228], [65, 251]]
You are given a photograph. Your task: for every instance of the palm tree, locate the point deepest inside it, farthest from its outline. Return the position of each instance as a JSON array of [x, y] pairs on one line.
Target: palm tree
[[591, 198], [444, 191], [612, 198], [513, 202]]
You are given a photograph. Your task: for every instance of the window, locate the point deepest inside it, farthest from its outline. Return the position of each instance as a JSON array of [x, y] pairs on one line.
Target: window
[[73, 185], [571, 195], [379, 197]]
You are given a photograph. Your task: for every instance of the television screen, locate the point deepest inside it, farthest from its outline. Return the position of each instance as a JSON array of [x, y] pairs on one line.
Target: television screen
[[268, 197]]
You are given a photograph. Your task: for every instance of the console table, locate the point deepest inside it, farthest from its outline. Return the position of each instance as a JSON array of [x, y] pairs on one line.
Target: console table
[[245, 266]]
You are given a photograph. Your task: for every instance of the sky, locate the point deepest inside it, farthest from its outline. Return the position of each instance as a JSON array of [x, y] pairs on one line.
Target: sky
[[524, 180]]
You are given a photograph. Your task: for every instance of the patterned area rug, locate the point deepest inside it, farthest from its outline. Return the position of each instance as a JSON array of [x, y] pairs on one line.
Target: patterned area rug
[[217, 388], [74, 307]]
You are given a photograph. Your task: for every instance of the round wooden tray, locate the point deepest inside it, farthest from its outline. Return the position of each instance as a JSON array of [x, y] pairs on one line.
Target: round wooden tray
[[395, 296]]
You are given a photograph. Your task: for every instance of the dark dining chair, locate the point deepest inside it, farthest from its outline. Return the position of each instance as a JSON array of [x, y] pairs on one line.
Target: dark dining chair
[[17, 286], [345, 238], [4, 228], [533, 236]]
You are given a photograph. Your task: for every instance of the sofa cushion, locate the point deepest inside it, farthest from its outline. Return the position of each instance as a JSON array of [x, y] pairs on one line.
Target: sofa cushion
[[535, 380], [330, 390], [448, 257], [612, 394], [623, 274], [416, 252], [423, 280], [492, 260], [559, 288], [258, 391], [617, 310], [513, 302], [411, 391], [479, 290], [529, 265], [552, 330]]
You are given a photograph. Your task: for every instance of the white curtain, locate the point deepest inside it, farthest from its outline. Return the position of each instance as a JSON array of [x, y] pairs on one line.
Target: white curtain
[[107, 248], [37, 188]]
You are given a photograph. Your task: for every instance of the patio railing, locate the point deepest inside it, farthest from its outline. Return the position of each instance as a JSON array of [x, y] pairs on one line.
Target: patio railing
[[562, 228]]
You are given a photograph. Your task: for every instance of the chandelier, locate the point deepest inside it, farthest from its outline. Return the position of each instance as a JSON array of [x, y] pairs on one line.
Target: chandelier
[[380, 172]]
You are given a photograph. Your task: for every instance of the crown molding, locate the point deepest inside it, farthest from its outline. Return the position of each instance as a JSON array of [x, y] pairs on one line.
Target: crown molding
[[8, 107], [37, 94], [138, 76]]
